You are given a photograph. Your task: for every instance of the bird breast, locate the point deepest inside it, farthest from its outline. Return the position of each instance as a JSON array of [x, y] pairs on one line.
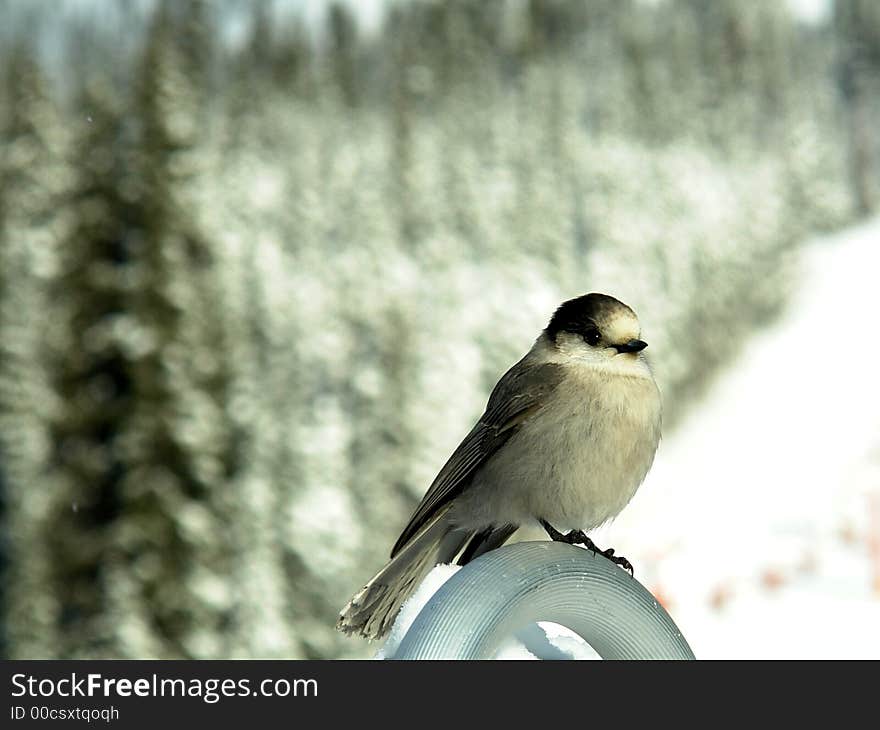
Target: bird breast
[[579, 460]]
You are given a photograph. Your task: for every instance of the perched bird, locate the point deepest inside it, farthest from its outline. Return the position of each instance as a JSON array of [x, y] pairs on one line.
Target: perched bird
[[567, 437]]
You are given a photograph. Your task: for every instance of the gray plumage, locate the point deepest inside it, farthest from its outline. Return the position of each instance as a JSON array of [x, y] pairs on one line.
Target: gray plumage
[[568, 435]]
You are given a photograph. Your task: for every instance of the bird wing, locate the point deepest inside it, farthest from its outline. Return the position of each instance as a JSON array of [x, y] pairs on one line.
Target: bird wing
[[520, 393]]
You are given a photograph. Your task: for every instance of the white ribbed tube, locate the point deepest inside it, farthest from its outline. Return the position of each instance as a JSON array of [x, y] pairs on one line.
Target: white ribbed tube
[[507, 589]]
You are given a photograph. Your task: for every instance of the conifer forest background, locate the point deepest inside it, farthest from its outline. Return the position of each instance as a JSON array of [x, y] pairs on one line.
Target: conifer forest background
[[260, 269]]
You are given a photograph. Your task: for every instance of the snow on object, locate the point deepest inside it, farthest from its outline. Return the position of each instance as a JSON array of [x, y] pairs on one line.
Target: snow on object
[[413, 606]]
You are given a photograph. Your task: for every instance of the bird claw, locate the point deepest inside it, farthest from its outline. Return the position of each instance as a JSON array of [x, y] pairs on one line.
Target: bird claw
[[619, 560], [578, 537]]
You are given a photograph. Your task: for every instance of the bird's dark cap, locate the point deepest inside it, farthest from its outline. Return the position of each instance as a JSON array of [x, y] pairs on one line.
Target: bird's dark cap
[[591, 311]]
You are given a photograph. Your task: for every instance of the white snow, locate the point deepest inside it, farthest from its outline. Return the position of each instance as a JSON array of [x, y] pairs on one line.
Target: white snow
[[414, 605], [756, 525]]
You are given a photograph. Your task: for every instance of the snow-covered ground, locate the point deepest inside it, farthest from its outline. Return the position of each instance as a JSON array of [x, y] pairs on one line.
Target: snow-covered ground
[[757, 525]]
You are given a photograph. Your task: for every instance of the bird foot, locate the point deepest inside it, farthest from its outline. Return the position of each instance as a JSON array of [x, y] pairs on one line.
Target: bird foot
[[578, 537]]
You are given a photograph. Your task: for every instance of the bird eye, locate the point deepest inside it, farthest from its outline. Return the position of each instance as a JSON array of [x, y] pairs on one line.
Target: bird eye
[[592, 337]]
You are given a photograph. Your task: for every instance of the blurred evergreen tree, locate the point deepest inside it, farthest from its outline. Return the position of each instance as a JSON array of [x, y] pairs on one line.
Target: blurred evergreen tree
[[857, 30], [169, 549], [91, 373], [250, 79], [292, 59], [344, 52], [33, 179], [404, 95]]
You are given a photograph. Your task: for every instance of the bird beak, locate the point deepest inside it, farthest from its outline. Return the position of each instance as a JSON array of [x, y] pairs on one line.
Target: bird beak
[[631, 346]]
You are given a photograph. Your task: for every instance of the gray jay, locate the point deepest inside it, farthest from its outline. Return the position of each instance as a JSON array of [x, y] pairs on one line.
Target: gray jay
[[567, 437]]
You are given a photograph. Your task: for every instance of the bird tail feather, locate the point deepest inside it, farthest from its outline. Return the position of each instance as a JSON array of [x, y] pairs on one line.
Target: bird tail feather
[[371, 612]]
